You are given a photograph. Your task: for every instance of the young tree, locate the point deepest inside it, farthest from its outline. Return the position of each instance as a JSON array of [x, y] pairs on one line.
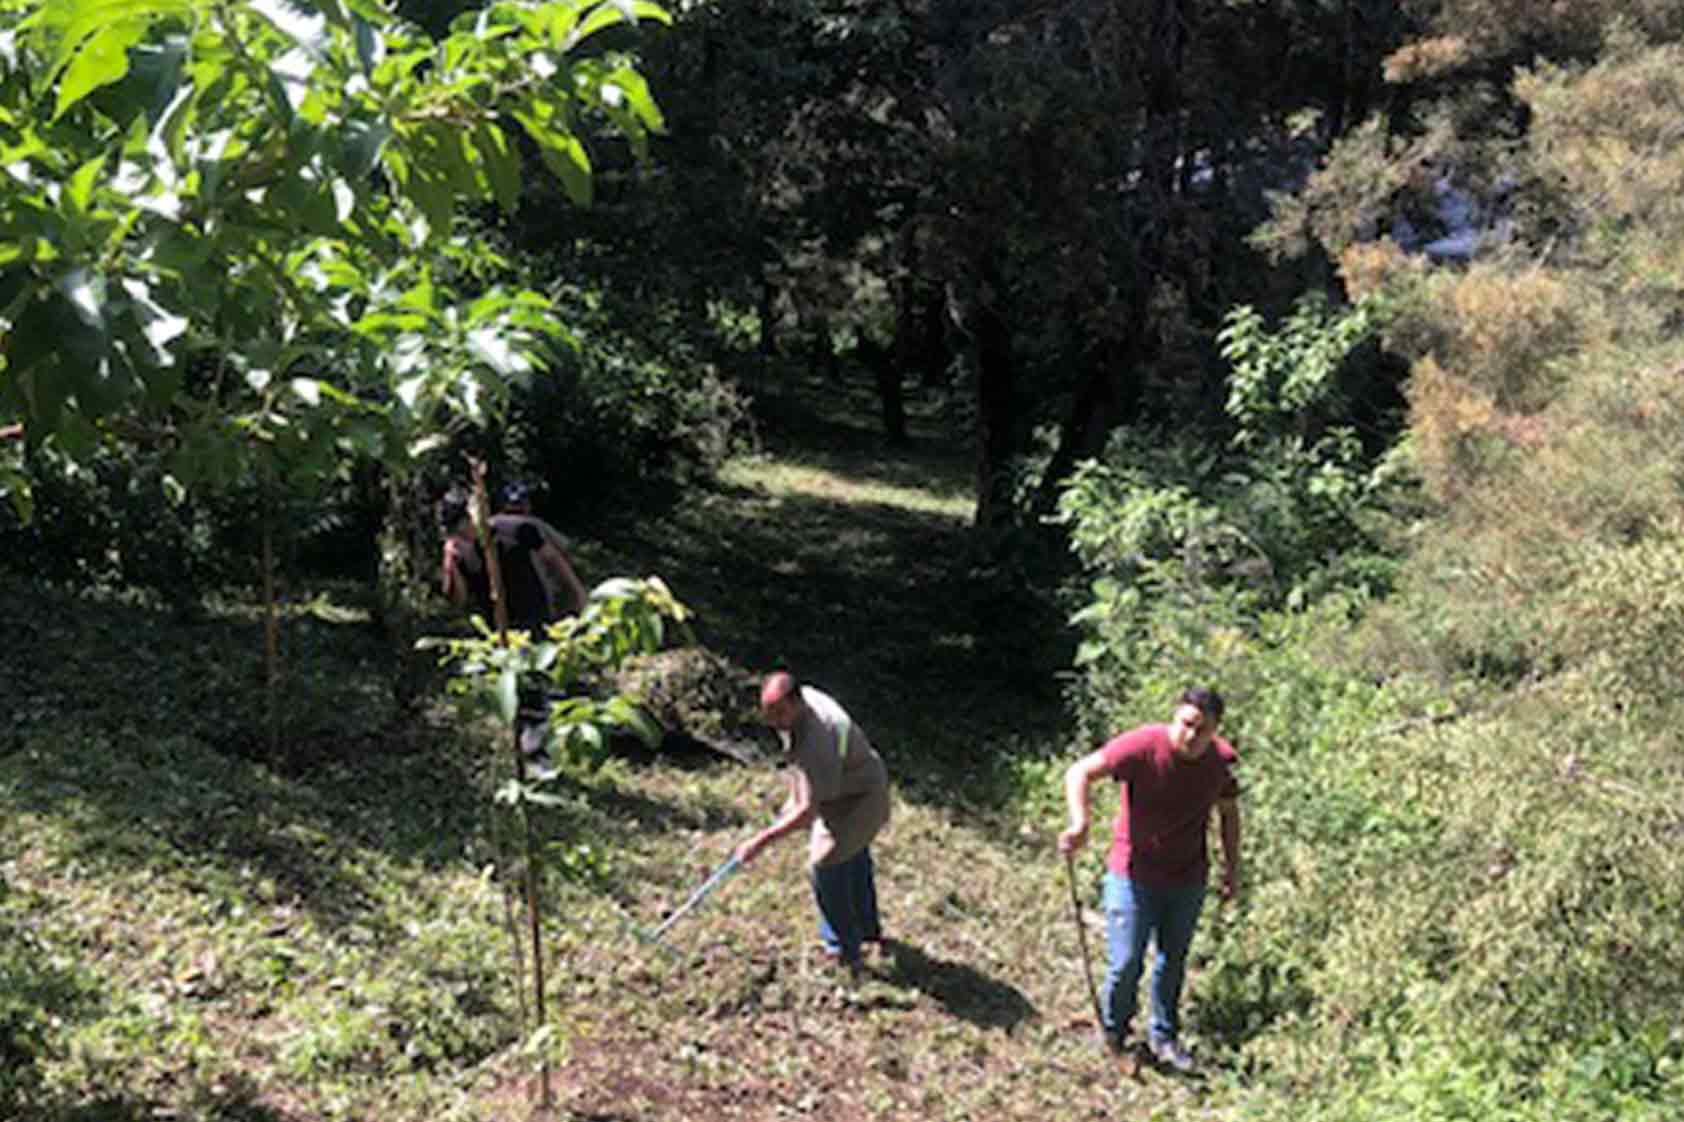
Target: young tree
[[228, 227]]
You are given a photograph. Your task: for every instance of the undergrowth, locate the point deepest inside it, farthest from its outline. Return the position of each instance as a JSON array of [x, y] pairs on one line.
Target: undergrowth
[[1461, 901]]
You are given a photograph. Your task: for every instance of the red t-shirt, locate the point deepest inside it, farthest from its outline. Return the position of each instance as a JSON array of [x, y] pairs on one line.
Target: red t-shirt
[[1164, 812]]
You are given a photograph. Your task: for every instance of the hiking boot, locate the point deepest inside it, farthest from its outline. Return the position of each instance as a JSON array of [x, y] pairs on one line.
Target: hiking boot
[[1125, 1055], [1171, 1054], [1127, 1061]]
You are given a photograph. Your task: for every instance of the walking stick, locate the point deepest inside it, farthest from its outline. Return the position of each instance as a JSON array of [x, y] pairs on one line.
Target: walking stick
[[1082, 941]]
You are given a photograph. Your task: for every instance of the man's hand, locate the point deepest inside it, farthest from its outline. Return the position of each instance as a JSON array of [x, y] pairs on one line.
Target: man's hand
[[750, 849], [1073, 839]]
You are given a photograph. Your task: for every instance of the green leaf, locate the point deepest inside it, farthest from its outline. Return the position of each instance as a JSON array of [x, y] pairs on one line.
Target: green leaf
[[634, 717], [566, 157], [156, 69], [502, 165], [79, 192], [15, 486], [103, 59], [588, 737], [369, 47], [171, 127], [279, 97], [561, 151], [620, 11], [636, 90]]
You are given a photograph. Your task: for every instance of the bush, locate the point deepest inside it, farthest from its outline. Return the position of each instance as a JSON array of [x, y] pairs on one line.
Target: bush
[[621, 408], [1185, 552], [691, 691], [114, 520]]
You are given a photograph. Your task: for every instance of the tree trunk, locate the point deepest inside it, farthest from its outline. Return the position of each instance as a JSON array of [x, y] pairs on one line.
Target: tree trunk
[[768, 317], [1109, 396], [1113, 391], [822, 359], [399, 579], [995, 413], [890, 396]]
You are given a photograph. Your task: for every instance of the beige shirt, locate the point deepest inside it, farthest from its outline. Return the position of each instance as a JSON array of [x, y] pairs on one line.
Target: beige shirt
[[837, 767]]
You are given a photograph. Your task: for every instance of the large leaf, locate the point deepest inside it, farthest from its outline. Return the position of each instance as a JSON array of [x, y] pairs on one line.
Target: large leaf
[[566, 156], [360, 144], [562, 152], [103, 59], [370, 48], [79, 192], [502, 164], [619, 11], [630, 83]]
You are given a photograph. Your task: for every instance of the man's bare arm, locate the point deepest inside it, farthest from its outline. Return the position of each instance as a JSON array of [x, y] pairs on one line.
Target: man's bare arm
[[556, 561], [1228, 818], [1076, 780]]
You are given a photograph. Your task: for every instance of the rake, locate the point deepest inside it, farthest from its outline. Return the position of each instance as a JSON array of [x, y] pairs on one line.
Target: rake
[[717, 878]]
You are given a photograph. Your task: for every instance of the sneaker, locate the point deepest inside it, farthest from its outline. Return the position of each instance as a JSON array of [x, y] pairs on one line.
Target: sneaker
[[832, 958], [1171, 1054]]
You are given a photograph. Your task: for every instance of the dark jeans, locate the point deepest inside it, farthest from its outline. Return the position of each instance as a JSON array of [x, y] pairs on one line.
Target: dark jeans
[[847, 898], [1135, 912]]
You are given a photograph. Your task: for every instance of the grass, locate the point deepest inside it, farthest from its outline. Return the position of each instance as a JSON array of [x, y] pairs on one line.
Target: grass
[[211, 910], [231, 923]]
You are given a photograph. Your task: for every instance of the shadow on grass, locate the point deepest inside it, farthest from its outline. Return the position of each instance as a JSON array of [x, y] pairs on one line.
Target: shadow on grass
[[145, 738], [233, 1099], [886, 609], [962, 990]]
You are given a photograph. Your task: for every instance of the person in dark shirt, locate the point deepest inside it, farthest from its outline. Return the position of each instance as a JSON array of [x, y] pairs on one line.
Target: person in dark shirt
[[531, 566], [1157, 870], [515, 502]]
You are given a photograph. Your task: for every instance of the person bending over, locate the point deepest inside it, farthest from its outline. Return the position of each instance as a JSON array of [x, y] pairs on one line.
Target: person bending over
[[839, 790]]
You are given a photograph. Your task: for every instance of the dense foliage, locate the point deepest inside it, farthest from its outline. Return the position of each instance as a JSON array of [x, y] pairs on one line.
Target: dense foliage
[[1339, 339], [1464, 864]]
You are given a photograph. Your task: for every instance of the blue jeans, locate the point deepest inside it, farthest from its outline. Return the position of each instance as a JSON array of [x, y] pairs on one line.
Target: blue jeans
[[1135, 912], [847, 899]]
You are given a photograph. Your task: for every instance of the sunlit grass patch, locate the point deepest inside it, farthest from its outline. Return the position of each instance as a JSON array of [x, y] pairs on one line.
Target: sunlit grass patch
[[943, 495]]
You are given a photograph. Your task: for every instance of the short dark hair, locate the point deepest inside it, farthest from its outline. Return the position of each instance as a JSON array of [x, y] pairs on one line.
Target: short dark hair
[[1205, 700], [515, 491], [452, 509]]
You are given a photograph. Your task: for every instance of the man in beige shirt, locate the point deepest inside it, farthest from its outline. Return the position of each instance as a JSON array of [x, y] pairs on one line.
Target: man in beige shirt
[[839, 786]]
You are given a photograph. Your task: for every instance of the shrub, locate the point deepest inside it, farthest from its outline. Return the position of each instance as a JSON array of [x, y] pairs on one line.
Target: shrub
[[622, 408], [692, 691]]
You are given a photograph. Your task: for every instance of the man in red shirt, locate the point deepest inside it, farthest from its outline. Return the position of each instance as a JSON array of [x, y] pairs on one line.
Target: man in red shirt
[[1158, 867]]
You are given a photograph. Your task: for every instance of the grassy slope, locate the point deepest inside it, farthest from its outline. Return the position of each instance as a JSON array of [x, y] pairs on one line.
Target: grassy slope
[[225, 927]]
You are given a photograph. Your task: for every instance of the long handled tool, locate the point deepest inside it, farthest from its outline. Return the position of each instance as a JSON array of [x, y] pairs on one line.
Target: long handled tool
[[696, 897], [1082, 940]]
